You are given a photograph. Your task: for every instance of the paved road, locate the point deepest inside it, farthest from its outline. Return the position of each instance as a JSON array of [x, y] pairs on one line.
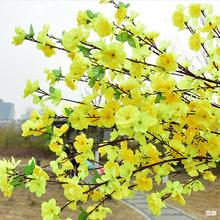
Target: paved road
[[169, 213]]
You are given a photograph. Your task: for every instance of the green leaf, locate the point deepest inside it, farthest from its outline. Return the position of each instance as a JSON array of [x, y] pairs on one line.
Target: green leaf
[[36, 99], [56, 96], [117, 94], [97, 72], [51, 90], [83, 214], [90, 14], [132, 42], [85, 51], [17, 182], [28, 169], [46, 136], [96, 175], [49, 129], [31, 31], [92, 82], [67, 111], [123, 5], [57, 73], [159, 98], [123, 36]]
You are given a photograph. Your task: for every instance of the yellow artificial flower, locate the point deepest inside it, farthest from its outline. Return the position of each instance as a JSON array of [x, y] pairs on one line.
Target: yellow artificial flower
[[178, 19], [195, 10], [47, 48], [102, 26], [120, 15], [167, 61], [113, 55], [30, 87], [127, 154], [162, 83], [111, 169], [180, 199], [50, 76], [144, 122], [19, 38], [82, 18], [107, 118], [136, 69], [209, 176], [56, 145], [70, 81], [127, 116], [98, 213], [155, 203], [49, 210], [78, 120], [73, 37], [78, 67], [97, 195], [143, 183], [82, 144], [195, 42]]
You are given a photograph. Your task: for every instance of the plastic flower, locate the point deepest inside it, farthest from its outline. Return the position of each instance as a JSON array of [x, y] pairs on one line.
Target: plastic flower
[[37, 184], [56, 144], [70, 81], [113, 55], [78, 67], [143, 182], [127, 154], [102, 26], [120, 15], [167, 61], [162, 83], [178, 19], [82, 144], [45, 42], [73, 37], [195, 10], [127, 116], [144, 121], [82, 18], [97, 195], [107, 118], [19, 38], [99, 213], [84, 148], [78, 120], [30, 87], [195, 42], [155, 203], [209, 176], [49, 210]]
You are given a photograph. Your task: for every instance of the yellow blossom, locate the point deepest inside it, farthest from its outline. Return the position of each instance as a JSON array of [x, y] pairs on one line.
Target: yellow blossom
[[102, 26], [195, 10], [120, 15], [167, 61], [113, 55], [178, 19], [195, 42]]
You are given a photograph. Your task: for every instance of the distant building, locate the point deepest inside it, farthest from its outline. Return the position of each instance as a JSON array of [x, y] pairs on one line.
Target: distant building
[[7, 111]]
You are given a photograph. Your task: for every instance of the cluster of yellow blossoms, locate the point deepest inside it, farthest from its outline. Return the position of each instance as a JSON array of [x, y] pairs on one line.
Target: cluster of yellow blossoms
[[161, 109]]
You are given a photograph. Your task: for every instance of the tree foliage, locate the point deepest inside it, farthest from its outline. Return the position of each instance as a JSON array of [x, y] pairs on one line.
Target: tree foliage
[[162, 110]]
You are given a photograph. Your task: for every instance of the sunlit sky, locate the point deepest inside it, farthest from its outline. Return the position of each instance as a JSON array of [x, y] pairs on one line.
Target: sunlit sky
[[17, 64]]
